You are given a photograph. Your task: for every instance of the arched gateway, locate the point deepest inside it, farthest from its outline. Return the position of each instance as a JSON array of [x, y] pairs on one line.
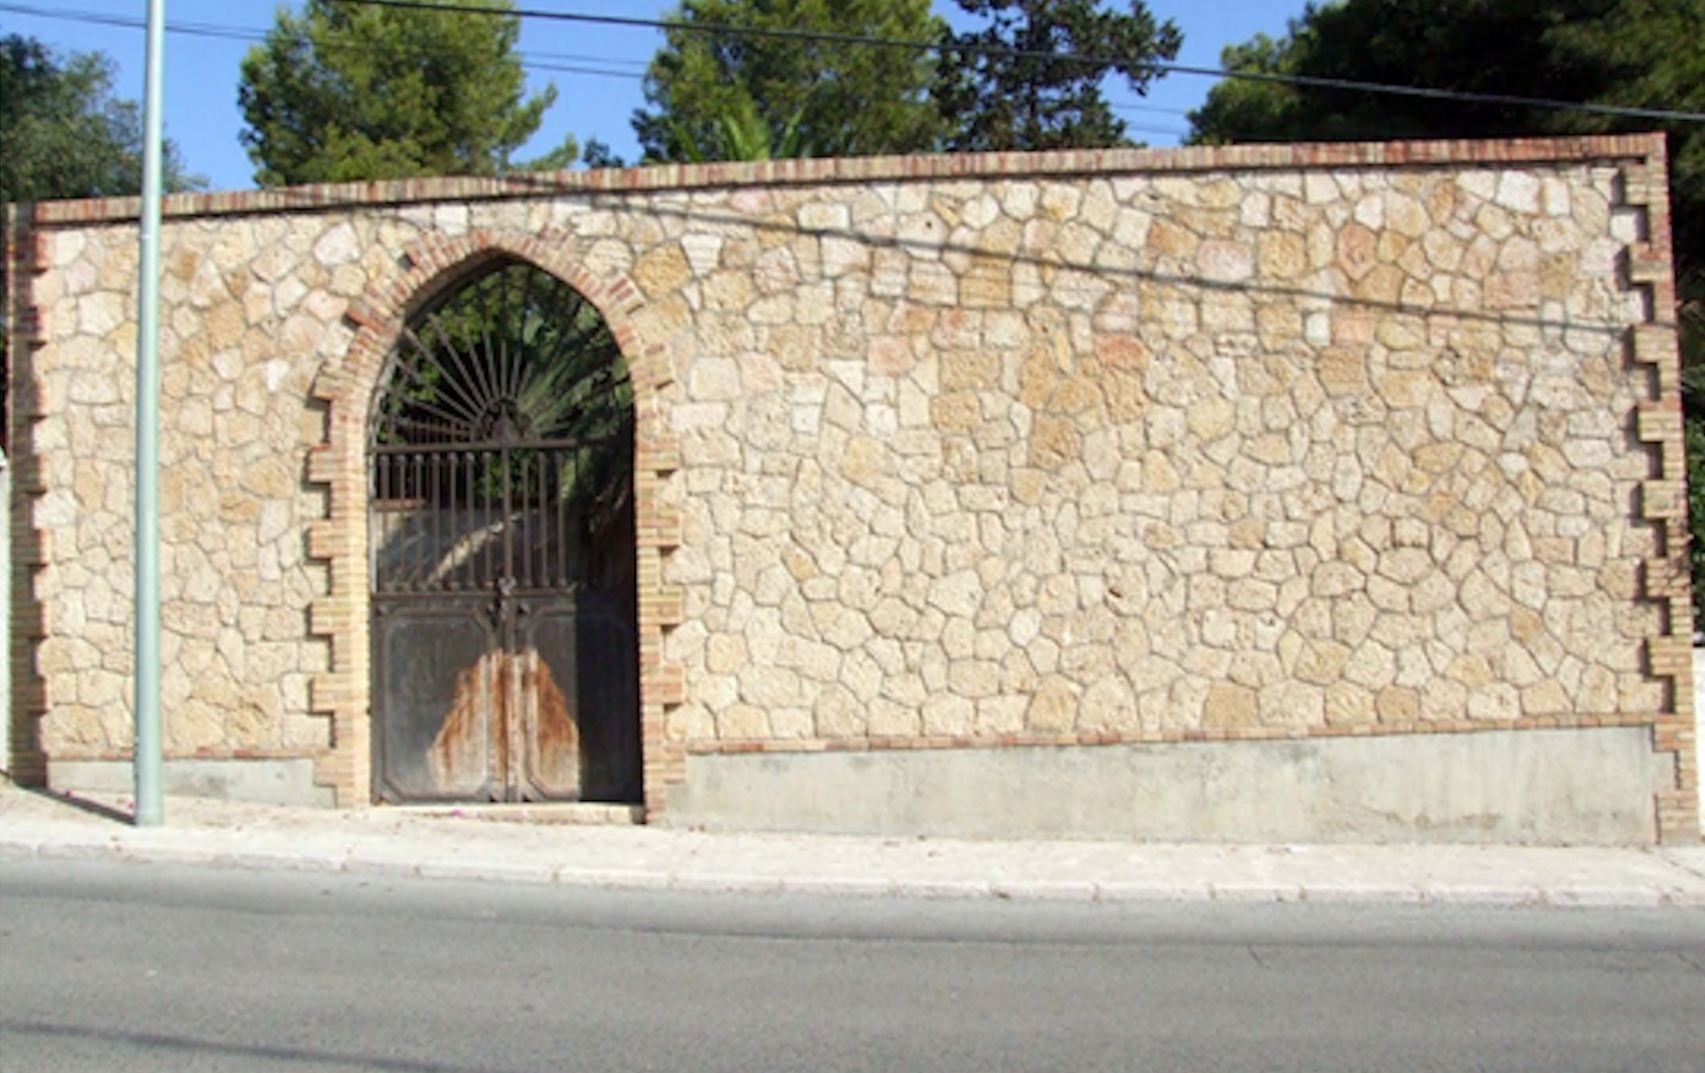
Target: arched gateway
[[500, 453]]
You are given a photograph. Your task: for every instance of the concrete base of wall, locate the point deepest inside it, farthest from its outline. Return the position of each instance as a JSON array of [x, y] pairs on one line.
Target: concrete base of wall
[[263, 782], [1556, 786]]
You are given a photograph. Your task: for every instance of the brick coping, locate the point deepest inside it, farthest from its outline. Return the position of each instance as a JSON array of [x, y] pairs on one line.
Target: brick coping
[[685, 177]]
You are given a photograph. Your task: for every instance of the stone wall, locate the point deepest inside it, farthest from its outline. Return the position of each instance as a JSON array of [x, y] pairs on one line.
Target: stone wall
[[953, 453]]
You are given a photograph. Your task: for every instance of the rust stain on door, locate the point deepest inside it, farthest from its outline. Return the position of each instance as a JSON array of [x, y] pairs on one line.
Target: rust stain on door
[[466, 752], [458, 754], [554, 741]]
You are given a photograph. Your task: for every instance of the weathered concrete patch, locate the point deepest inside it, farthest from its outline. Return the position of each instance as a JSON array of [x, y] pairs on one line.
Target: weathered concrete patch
[[1557, 787], [263, 782]]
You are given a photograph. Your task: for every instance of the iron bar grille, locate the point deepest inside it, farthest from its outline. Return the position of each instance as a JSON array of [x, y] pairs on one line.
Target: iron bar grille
[[502, 444], [466, 521]]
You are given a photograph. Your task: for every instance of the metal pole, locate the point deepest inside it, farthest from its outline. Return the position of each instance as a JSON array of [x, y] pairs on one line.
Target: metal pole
[[149, 808]]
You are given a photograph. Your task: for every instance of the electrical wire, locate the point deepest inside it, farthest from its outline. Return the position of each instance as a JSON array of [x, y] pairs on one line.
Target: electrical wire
[[1167, 67], [537, 61], [1162, 66], [532, 61]]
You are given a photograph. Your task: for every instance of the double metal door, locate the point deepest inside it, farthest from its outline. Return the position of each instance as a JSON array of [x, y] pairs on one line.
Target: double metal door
[[504, 641], [507, 697]]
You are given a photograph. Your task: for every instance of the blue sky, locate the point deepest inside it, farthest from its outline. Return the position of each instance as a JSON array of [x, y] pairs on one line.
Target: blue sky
[[202, 71]]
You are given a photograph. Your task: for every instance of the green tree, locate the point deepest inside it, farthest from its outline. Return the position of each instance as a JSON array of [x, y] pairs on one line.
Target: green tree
[[1015, 84], [63, 133], [1634, 53], [1482, 46], [727, 96], [350, 92], [743, 134], [599, 155]]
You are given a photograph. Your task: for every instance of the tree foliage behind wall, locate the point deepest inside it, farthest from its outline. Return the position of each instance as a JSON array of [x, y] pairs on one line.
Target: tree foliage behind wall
[[62, 132], [349, 92], [1030, 77], [708, 94]]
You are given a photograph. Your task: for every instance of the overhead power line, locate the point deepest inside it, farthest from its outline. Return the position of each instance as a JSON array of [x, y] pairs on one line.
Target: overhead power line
[[1460, 96], [538, 61], [550, 62], [865, 40]]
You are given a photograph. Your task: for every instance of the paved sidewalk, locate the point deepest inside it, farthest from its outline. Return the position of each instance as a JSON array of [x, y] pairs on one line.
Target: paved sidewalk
[[455, 844]]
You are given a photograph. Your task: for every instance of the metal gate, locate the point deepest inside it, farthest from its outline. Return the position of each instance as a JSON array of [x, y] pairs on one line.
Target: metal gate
[[503, 599]]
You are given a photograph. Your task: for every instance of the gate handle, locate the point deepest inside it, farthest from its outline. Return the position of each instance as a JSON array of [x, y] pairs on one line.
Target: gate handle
[[505, 589]]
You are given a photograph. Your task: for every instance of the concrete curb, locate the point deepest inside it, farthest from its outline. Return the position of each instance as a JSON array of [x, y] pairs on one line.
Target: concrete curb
[[72, 842]]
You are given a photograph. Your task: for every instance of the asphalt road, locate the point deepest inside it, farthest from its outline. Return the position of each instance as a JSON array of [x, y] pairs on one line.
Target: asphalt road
[[108, 967]]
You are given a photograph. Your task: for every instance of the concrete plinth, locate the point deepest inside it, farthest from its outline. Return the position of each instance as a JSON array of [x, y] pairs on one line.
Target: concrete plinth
[[1552, 787], [263, 782]]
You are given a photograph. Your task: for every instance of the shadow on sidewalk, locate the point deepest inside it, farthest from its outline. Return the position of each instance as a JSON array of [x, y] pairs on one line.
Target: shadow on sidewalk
[[82, 804]]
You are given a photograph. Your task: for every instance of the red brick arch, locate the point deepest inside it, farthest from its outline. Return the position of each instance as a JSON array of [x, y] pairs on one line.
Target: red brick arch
[[426, 269]]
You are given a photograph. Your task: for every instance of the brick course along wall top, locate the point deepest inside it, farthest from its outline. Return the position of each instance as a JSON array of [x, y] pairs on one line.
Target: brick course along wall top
[[1306, 491]]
